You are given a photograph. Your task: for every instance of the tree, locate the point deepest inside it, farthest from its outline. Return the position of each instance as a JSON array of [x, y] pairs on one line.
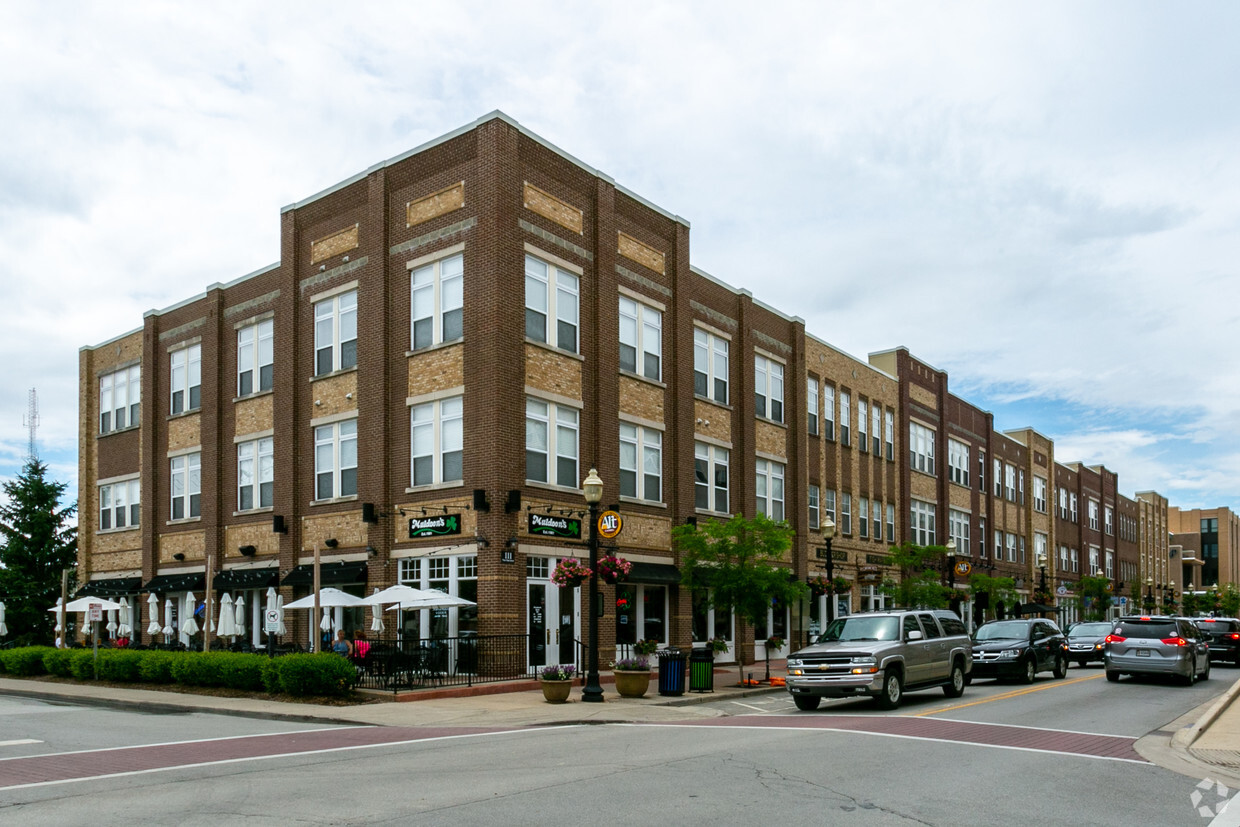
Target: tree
[[1229, 600], [991, 591], [921, 578], [737, 564], [1095, 595], [37, 542], [1189, 604]]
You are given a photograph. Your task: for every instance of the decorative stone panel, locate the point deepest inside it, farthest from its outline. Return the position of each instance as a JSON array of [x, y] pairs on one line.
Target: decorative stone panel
[[644, 255], [961, 498], [346, 527], [259, 535], [255, 415], [926, 397], [192, 544], [552, 208], [923, 487], [334, 395], [436, 204], [437, 370], [334, 244], [114, 541], [460, 505], [553, 372], [771, 439], [108, 561], [641, 399], [184, 432], [712, 421]]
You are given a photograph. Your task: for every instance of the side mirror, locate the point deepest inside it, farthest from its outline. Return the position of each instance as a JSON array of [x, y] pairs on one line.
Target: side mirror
[[915, 635]]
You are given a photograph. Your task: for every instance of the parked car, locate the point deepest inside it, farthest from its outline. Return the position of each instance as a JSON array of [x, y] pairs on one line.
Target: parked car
[[1085, 641], [1157, 645], [1223, 635], [882, 655], [1019, 649]]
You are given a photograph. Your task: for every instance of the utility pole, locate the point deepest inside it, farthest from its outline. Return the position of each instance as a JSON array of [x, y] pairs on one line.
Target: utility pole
[[31, 421]]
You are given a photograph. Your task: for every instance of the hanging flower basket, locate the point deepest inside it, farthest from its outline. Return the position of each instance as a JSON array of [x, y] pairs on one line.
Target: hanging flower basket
[[841, 585], [612, 568], [570, 573]]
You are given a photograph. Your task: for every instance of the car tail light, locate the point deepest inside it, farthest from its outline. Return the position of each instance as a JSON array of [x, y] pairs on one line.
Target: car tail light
[[1116, 638], [1175, 641], [1234, 636]]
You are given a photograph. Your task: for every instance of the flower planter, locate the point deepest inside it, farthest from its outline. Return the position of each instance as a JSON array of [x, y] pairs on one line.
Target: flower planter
[[556, 692], [631, 684]]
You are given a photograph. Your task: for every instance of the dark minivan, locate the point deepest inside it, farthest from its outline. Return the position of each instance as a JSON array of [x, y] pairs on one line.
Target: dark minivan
[[1223, 634]]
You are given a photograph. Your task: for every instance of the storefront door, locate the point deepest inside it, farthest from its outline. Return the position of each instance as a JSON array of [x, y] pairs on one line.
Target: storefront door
[[551, 622]]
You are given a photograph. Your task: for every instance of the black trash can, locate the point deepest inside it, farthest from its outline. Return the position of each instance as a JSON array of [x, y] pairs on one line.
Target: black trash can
[[702, 670], [672, 664]]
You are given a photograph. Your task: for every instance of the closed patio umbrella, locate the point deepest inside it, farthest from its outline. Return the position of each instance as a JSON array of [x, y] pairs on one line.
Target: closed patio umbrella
[[228, 621], [189, 626], [239, 614], [4, 630], [280, 611], [111, 627], [167, 630], [152, 608], [326, 623], [125, 629], [376, 616], [271, 604]]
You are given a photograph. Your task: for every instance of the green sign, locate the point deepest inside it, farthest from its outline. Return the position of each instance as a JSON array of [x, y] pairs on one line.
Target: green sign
[[544, 525], [436, 526]]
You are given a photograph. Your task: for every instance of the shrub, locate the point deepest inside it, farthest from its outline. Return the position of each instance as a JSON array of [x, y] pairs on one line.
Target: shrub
[[25, 661], [120, 665], [195, 669], [156, 667], [56, 662], [243, 671], [82, 664], [322, 674]]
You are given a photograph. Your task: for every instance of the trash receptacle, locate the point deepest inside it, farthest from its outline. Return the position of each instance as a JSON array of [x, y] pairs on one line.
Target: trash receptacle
[[702, 670], [672, 664]]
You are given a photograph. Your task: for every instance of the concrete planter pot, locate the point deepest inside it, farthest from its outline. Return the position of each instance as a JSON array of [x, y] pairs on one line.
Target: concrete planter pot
[[556, 692], [631, 684]]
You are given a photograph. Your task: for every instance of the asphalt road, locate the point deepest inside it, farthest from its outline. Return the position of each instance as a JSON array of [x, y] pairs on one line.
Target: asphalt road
[[764, 762]]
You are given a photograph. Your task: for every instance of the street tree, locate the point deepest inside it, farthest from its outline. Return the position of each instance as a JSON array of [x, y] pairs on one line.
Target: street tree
[[921, 577], [1095, 593], [989, 592], [740, 565], [37, 543]]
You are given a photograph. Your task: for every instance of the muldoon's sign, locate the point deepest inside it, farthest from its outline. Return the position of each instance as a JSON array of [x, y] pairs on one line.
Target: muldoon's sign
[[437, 526], [544, 525]]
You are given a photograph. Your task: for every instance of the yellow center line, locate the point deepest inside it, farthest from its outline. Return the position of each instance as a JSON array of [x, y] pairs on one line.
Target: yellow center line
[[1003, 697]]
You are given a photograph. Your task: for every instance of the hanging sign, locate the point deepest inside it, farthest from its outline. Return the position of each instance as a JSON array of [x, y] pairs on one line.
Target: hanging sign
[[545, 525], [963, 568], [437, 526], [609, 524]]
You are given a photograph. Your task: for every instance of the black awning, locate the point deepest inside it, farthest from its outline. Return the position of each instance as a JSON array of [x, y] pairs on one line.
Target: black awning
[[330, 574], [188, 582], [118, 586], [246, 579], [1034, 609], [655, 573]]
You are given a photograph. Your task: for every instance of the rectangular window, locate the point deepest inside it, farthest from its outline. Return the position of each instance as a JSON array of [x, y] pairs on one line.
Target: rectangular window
[[1009, 482], [710, 477], [891, 523], [120, 397], [863, 517], [548, 460], [998, 545], [335, 333], [1093, 514], [1063, 504], [437, 440], [255, 474], [998, 478], [1021, 545], [641, 462], [876, 519], [335, 460], [921, 522], [768, 388], [813, 506], [828, 504], [811, 402], [769, 488], [981, 537], [845, 419], [981, 470], [845, 513], [958, 526], [863, 416], [437, 302], [255, 357], [1108, 517], [828, 411], [1073, 513], [641, 337], [551, 293], [119, 505], [186, 379], [921, 448], [876, 437], [1093, 561], [1039, 494], [186, 477], [1063, 558], [1039, 549], [889, 434], [1076, 560], [710, 366], [958, 461], [1011, 547], [1110, 563], [1020, 487]]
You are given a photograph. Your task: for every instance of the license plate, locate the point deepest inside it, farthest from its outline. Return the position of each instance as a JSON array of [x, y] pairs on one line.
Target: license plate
[[1143, 653]]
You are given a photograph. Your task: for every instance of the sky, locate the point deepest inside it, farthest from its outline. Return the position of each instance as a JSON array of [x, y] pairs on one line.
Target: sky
[[1039, 198]]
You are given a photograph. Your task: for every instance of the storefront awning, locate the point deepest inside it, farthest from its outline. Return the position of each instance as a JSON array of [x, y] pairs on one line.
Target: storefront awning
[[186, 582], [230, 579], [655, 573], [330, 574], [116, 586]]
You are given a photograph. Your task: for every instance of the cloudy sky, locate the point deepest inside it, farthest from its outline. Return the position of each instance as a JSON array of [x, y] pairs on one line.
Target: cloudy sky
[[1040, 198]]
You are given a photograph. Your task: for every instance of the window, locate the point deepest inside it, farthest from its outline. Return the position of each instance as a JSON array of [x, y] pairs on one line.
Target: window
[[813, 506], [1076, 560], [255, 357], [998, 478], [119, 505], [710, 475], [845, 419], [958, 527], [981, 470], [710, 366], [845, 513], [863, 517], [875, 426], [981, 537], [1108, 518], [550, 293], [1009, 482], [769, 488], [768, 388], [889, 429], [335, 460], [1093, 561], [828, 411], [891, 523], [545, 460], [1110, 565], [1011, 547], [1063, 504], [921, 522], [186, 474], [437, 442], [1063, 558], [876, 519], [1020, 541], [958, 461], [647, 444], [1039, 494], [120, 396], [437, 302], [1074, 514], [187, 379], [1093, 514], [1020, 487], [828, 504], [811, 402], [863, 415], [1039, 548], [920, 448], [998, 545], [641, 332], [255, 474]]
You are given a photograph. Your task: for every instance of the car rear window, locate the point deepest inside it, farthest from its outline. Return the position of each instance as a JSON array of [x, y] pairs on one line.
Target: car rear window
[[1211, 625], [1090, 630], [1147, 628]]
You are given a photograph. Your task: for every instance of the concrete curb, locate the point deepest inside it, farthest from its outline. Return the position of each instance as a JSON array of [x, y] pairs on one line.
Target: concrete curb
[[1185, 738]]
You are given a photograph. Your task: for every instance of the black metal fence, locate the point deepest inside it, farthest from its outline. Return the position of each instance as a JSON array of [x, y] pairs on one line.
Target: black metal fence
[[393, 664]]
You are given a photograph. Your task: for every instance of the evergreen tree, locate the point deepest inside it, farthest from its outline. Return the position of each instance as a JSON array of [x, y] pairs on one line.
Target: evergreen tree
[[37, 542]]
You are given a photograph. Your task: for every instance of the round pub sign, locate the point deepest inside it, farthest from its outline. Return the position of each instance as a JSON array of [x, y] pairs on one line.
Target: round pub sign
[[609, 524], [963, 568]]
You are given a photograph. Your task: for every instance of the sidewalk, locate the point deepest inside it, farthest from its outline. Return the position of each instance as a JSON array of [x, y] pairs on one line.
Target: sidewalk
[[1214, 741]]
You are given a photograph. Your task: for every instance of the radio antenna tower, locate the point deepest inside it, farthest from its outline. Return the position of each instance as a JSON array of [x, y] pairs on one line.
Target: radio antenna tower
[[32, 422]]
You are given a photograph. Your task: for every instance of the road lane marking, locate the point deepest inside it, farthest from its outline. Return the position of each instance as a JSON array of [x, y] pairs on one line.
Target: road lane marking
[[19, 742], [1005, 696], [199, 741], [750, 706]]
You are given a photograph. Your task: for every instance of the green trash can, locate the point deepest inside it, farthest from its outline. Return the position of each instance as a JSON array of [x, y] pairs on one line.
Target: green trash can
[[702, 670]]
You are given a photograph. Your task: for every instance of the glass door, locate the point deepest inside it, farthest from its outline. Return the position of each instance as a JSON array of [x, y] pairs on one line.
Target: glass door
[[551, 623]]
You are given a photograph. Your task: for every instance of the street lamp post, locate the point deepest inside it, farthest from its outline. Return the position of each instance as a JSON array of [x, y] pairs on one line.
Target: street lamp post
[[951, 563], [1042, 572], [1149, 591], [592, 488], [828, 531]]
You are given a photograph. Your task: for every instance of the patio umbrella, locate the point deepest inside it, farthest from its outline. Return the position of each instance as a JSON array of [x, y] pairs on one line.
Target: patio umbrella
[[190, 626], [152, 607], [326, 623], [271, 603], [4, 630], [111, 627], [167, 630], [239, 614], [228, 622], [376, 616], [83, 604], [439, 601], [125, 629], [328, 597], [280, 611], [399, 593]]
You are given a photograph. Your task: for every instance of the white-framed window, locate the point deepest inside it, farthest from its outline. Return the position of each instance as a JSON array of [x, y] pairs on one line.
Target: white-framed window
[[120, 399], [186, 379], [1094, 568], [550, 460], [891, 523], [958, 461], [863, 517], [845, 419], [1039, 547], [710, 365], [998, 545], [1093, 514], [921, 522], [1063, 558], [863, 416], [185, 472], [1074, 513], [1108, 520], [876, 519], [1076, 560], [958, 527], [641, 339], [437, 302], [1110, 565], [551, 293], [120, 505], [828, 411], [981, 470], [814, 519], [876, 437], [828, 504], [335, 333], [1039, 494], [1063, 503], [998, 478], [256, 357], [1009, 482], [920, 448], [710, 477], [769, 489], [1020, 543], [845, 513], [437, 440], [811, 402], [255, 474], [335, 460], [981, 537], [1011, 547], [768, 388], [1020, 486], [641, 462], [889, 434]]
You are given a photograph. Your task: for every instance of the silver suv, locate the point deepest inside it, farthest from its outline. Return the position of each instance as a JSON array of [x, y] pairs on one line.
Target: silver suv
[[883, 655]]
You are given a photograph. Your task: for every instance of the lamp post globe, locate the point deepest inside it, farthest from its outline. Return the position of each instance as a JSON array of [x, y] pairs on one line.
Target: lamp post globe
[[951, 562], [592, 490]]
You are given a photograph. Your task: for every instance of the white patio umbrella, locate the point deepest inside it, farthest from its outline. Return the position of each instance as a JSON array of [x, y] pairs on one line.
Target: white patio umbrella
[[239, 614], [111, 627], [440, 601], [376, 616], [152, 608], [280, 612], [271, 603], [399, 593], [125, 629], [83, 604], [189, 626], [167, 630], [328, 597], [4, 630], [326, 623], [228, 621]]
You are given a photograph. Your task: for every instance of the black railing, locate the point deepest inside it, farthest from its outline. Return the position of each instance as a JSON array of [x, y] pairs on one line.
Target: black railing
[[394, 664]]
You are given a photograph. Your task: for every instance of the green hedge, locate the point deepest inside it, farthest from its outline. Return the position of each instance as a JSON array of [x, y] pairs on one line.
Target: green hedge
[[25, 661], [82, 664], [322, 674], [120, 665], [56, 662]]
